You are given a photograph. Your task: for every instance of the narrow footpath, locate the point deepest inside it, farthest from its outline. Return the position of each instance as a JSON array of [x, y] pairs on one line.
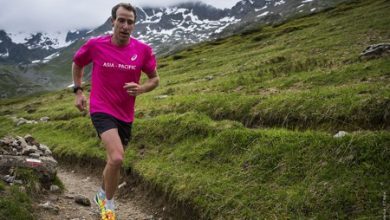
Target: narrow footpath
[[56, 206]]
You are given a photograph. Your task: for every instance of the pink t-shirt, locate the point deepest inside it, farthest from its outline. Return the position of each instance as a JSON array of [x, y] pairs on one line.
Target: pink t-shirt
[[113, 66]]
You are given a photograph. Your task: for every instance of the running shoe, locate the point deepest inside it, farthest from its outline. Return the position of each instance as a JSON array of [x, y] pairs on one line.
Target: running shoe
[[108, 214], [100, 200]]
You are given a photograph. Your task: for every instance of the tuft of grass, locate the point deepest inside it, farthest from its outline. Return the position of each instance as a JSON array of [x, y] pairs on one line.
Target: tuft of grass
[[2, 186], [30, 180], [57, 181], [15, 205]]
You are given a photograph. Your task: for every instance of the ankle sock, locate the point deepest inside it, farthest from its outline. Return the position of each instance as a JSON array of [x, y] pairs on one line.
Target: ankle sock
[[101, 193], [110, 204]]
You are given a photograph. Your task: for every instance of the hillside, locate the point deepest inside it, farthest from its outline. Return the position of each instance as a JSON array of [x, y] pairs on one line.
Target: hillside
[[243, 127]]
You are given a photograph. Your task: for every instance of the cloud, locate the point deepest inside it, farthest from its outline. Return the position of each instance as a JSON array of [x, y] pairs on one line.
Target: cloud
[[49, 15]]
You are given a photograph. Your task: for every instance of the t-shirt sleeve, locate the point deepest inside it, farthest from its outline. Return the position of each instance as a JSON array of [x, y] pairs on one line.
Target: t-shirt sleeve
[[84, 55], [150, 63]]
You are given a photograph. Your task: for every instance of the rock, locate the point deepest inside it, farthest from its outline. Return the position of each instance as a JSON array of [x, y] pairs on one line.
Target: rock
[[55, 189], [30, 140], [161, 97], [69, 196], [340, 134], [21, 142], [45, 149], [35, 155], [44, 119], [29, 150], [53, 198], [82, 200], [45, 166], [31, 122], [376, 51], [122, 185], [50, 207], [8, 178], [21, 121], [209, 78]]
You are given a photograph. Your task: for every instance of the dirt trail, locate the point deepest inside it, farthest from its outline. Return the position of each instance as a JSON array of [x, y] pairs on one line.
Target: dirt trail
[[86, 184]]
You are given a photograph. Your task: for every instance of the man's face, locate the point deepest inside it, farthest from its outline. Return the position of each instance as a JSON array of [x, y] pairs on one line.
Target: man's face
[[123, 25]]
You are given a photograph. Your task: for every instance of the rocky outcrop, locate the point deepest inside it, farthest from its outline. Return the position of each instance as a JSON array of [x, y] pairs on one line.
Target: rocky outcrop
[[26, 152], [376, 51]]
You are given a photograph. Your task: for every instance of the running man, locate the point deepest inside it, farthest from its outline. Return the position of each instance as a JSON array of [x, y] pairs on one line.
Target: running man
[[118, 61]]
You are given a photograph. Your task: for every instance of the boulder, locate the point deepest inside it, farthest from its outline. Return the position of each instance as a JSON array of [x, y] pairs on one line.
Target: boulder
[[376, 51]]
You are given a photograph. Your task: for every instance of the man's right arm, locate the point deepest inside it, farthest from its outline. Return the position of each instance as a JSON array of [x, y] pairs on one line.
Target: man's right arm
[[80, 100]]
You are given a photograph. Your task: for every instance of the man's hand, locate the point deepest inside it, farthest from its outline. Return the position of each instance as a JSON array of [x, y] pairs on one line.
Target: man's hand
[[80, 101], [133, 89]]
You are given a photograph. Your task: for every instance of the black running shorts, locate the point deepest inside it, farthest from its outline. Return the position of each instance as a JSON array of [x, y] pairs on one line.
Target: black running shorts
[[104, 122]]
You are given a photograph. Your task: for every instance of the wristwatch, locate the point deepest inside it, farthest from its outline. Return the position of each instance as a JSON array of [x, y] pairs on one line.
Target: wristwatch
[[77, 88]]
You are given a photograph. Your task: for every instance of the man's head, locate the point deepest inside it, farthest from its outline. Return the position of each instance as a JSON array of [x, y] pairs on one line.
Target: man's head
[[126, 6], [123, 17]]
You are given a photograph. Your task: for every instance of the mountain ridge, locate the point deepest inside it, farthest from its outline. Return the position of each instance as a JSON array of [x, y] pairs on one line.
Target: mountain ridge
[[166, 29]]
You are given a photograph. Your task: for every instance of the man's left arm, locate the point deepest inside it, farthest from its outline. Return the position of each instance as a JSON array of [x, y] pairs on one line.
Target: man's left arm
[[135, 89]]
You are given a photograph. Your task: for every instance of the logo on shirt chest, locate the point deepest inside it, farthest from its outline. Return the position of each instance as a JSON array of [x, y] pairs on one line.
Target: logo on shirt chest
[[119, 66], [134, 57]]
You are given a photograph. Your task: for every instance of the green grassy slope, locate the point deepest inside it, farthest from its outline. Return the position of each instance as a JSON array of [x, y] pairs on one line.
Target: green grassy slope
[[245, 130]]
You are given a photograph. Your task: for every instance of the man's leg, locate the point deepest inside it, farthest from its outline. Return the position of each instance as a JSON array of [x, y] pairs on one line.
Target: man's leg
[[115, 153]]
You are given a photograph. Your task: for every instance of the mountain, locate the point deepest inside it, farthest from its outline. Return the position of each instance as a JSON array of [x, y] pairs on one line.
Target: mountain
[[167, 29]]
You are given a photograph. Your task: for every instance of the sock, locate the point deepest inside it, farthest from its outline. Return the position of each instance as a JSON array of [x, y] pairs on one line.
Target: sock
[[101, 193], [110, 204]]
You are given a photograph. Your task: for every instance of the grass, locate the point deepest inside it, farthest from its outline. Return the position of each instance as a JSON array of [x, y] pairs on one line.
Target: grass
[[15, 205], [2, 186], [245, 127], [229, 170]]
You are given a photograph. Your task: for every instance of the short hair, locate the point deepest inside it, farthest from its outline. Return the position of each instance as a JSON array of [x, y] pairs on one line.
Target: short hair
[[126, 6]]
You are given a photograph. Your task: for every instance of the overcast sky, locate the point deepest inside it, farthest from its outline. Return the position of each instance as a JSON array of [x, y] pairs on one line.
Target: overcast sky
[[46, 15]]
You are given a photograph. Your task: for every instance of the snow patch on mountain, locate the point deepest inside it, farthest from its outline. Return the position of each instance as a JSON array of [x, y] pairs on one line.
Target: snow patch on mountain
[[263, 14], [260, 9], [47, 59], [4, 55], [43, 40], [19, 37], [281, 2]]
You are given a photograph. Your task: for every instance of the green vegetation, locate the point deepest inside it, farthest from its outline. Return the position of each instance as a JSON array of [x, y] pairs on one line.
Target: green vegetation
[[243, 127], [15, 201], [2, 186], [15, 205], [30, 180]]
